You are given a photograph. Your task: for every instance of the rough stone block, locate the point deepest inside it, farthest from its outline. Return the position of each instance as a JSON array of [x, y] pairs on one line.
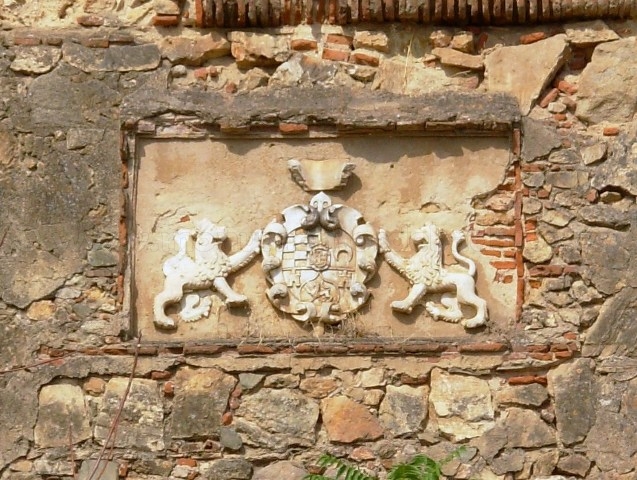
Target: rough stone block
[[265, 418], [462, 404], [120, 58], [404, 409], [36, 60], [525, 70], [201, 399], [141, 424], [105, 470], [347, 421], [61, 408], [613, 65]]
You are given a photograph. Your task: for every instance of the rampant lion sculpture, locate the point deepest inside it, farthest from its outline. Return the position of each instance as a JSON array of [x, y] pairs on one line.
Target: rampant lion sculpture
[[209, 269], [426, 274]]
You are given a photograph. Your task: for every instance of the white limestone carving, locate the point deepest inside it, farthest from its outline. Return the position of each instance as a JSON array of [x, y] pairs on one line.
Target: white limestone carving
[[208, 270], [314, 175], [426, 274], [318, 259]]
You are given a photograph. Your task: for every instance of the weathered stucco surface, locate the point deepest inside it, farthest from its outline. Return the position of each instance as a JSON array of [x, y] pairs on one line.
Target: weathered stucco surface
[[547, 390], [243, 184]]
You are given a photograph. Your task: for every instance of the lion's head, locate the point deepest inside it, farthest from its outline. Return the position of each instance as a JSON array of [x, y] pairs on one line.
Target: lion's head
[[427, 241], [209, 232], [426, 236]]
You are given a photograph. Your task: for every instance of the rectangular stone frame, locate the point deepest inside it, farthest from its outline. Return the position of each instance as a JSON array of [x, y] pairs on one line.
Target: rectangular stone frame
[[493, 116]]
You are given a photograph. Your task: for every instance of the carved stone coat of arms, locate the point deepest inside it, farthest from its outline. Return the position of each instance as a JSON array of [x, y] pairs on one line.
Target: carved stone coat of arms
[[317, 260]]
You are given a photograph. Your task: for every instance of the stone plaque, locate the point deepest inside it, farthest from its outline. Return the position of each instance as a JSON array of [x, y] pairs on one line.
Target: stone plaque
[[280, 238]]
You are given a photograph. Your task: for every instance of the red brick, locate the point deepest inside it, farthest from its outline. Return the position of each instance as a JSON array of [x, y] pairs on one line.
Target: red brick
[[160, 375], [527, 380], [532, 38], [542, 356], [481, 41], [559, 117], [293, 128], [566, 87], [361, 58], [577, 62], [424, 348], [53, 40], [199, 15], [503, 265], [339, 39], [546, 270], [303, 44], [592, 195], [365, 348], [26, 40], [336, 349], [500, 231], [237, 392], [95, 42], [559, 347], [483, 347], [252, 349], [115, 350], [201, 73], [543, 193], [189, 462], [231, 87], [533, 167], [531, 237], [507, 279], [611, 131], [534, 283], [491, 252], [305, 348], [570, 335], [564, 355], [335, 54], [122, 470], [166, 20], [537, 348], [169, 389], [519, 260], [226, 418], [549, 97], [90, 20], [509, 253], [494, 242], [203, 349]]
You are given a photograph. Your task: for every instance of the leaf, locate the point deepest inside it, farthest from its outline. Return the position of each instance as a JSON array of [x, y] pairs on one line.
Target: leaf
[[344, 470]]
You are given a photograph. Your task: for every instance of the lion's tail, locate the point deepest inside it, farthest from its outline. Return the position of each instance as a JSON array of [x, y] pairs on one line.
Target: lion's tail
[[469, 264]]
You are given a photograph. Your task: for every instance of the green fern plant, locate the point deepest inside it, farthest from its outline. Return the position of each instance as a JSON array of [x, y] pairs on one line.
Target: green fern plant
[[344, 470], [421, 467]]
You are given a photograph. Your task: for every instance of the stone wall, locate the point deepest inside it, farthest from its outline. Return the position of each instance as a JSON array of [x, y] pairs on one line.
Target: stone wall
[[551, 392]]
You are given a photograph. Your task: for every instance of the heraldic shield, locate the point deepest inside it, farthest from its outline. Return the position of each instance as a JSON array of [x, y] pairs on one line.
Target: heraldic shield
[[318, 259]]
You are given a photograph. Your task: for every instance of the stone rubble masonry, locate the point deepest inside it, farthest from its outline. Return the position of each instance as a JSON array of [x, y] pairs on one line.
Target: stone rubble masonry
[[554, 394]]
